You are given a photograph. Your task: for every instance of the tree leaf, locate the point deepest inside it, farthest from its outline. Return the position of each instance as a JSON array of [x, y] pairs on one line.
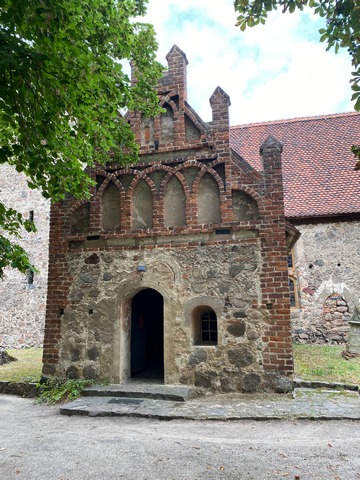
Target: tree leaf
[[62, 85]]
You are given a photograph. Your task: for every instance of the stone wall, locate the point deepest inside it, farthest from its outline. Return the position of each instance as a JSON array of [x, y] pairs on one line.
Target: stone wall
[[92, 330], [23, 304], [327, 269]]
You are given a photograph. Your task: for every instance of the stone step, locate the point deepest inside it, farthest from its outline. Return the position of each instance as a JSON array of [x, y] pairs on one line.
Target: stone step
[[299, 383], [174, 393]]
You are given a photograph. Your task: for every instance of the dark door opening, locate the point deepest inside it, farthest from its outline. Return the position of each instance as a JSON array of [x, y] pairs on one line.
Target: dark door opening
[[147, 335]]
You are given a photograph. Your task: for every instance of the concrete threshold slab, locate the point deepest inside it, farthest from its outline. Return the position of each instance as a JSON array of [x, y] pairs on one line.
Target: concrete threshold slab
[[303, 404], [176, 393]]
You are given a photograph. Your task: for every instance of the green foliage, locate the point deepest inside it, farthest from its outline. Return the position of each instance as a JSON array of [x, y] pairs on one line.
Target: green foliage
[[11, 254], [15, 256], [342, 27], [55, 390], [63, 90]]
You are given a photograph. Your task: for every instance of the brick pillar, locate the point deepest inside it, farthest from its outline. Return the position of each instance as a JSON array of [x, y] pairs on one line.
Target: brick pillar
[[220, 102], [58, 288], [176, 75], [277, 353], [220, 126]]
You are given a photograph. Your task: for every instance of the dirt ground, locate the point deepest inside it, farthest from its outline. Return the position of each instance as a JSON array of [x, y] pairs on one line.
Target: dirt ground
[[38, 443]]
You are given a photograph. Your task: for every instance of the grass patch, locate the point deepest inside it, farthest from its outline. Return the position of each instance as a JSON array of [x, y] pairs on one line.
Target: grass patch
[[325, 363], [27, 368], [312, 362]]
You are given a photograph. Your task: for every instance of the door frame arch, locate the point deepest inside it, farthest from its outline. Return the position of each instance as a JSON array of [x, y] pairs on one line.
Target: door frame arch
[[122, 353]]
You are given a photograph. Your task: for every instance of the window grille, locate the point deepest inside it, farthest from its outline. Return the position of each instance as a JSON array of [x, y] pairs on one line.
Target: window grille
[[204, 326], [209, 328]]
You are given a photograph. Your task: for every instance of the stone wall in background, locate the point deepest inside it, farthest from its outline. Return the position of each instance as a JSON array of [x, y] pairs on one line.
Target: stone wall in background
[[327, 268], [22, 304]]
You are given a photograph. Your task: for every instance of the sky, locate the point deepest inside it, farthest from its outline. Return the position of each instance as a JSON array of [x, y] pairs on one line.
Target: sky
[[275, 71]]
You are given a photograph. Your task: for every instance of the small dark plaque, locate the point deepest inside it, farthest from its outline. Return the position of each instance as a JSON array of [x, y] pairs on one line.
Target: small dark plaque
[[223, 231], [93, 237]]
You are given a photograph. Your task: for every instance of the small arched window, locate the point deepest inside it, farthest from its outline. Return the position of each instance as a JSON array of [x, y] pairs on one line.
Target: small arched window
[[293, 292], [205, 329], [147, 132]]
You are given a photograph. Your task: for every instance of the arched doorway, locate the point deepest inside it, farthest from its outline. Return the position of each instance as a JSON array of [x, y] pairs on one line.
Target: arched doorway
[[147, 335]]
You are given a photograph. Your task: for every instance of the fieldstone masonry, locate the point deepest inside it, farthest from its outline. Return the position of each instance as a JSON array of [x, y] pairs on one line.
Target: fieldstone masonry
[[23, 300], [207, 268], [179, 259], [327, 259]]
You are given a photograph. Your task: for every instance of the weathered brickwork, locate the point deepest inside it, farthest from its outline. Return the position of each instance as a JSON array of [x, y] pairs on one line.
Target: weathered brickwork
[[327, 267], [161, 263], [22, 306]]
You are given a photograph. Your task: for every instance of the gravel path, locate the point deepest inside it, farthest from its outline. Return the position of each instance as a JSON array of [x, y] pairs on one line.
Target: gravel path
[[39, 444]]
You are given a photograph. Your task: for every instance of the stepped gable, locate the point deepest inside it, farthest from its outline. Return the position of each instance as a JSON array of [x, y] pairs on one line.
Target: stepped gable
[[318, 166], [179, 134]]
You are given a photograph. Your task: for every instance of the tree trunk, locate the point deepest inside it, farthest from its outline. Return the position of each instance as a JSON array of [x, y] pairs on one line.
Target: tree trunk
[[5, 357]]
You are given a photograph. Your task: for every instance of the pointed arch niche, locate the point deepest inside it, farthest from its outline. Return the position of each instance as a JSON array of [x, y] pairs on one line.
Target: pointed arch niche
[[147, 131], [111, 208], [191, 130], [80, 220], [142, 206], [167, 125], [245, 208], [174, 203], [208, 200]]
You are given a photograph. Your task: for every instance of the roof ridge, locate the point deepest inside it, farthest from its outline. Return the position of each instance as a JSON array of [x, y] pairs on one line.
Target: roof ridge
[[296, 119]]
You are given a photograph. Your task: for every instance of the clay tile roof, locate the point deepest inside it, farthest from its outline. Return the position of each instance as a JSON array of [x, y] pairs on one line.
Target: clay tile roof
[[318, 166]]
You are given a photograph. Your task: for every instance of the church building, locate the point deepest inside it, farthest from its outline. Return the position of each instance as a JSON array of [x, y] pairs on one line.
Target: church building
[[176, 269]]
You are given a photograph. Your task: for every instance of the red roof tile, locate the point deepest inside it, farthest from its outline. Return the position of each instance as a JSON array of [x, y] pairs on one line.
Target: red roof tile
[[318, 166]]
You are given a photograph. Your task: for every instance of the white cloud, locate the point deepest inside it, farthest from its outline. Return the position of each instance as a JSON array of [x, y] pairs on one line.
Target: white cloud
[[272, 71]]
